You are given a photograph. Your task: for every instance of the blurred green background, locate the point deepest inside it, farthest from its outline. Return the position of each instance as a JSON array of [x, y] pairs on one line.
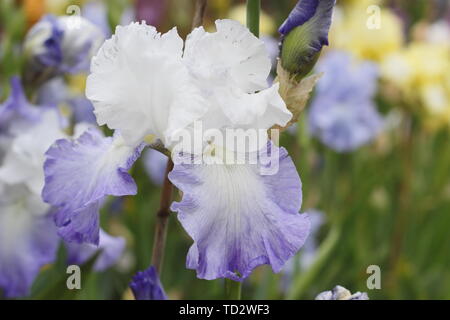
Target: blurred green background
[[385, 204]]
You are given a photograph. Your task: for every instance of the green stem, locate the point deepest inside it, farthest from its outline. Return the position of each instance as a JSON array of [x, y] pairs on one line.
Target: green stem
[[233, 289], [253, 9]]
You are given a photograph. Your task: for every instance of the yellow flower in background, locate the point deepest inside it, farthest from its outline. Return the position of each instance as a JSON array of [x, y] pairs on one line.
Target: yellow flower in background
[[369, 32], [436, 99], [421, 73], [267, 24]]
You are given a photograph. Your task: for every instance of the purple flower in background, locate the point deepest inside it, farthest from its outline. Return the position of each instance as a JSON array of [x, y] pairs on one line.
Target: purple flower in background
[[340, 293], [56, 93], [17, 113], [343, 115], [96, 11], [28, 238], [58, 45], [49, 51], [155, 165], [110, 248], [151, 11], [304, 33], [147, 286]]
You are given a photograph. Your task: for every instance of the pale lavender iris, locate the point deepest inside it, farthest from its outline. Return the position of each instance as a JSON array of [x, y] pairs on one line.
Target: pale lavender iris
[[78, 161], [238, 218], [147, 286], [28, 238], [343, 114], [109, 251], [21, 260]]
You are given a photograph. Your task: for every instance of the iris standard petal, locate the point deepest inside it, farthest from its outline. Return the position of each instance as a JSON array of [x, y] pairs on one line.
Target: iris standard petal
[[139, 85]]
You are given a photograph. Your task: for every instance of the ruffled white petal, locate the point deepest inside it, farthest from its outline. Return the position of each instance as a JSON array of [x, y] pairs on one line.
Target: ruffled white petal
[[140, 86], [232, 55]]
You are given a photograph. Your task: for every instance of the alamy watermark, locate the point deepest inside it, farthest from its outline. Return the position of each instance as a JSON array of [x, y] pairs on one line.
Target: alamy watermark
[[374, 280], [374, 20], [228, 146], [73, 282]]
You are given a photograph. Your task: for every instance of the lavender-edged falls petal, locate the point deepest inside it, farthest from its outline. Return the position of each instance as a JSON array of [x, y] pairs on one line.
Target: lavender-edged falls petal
[[79, 174], [238, 217]]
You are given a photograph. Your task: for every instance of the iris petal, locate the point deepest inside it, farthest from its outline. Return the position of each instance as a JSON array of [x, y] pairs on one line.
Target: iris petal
[[79, 174], [239, 218]]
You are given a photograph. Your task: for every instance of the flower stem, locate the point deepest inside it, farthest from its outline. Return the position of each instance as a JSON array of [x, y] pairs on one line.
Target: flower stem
[[162, 216], [233, 289], [253, 9], [162, 220], [200, 7]]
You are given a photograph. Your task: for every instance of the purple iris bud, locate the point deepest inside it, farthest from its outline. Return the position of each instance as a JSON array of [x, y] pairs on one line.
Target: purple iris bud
[[304, 33], [147, 286]]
